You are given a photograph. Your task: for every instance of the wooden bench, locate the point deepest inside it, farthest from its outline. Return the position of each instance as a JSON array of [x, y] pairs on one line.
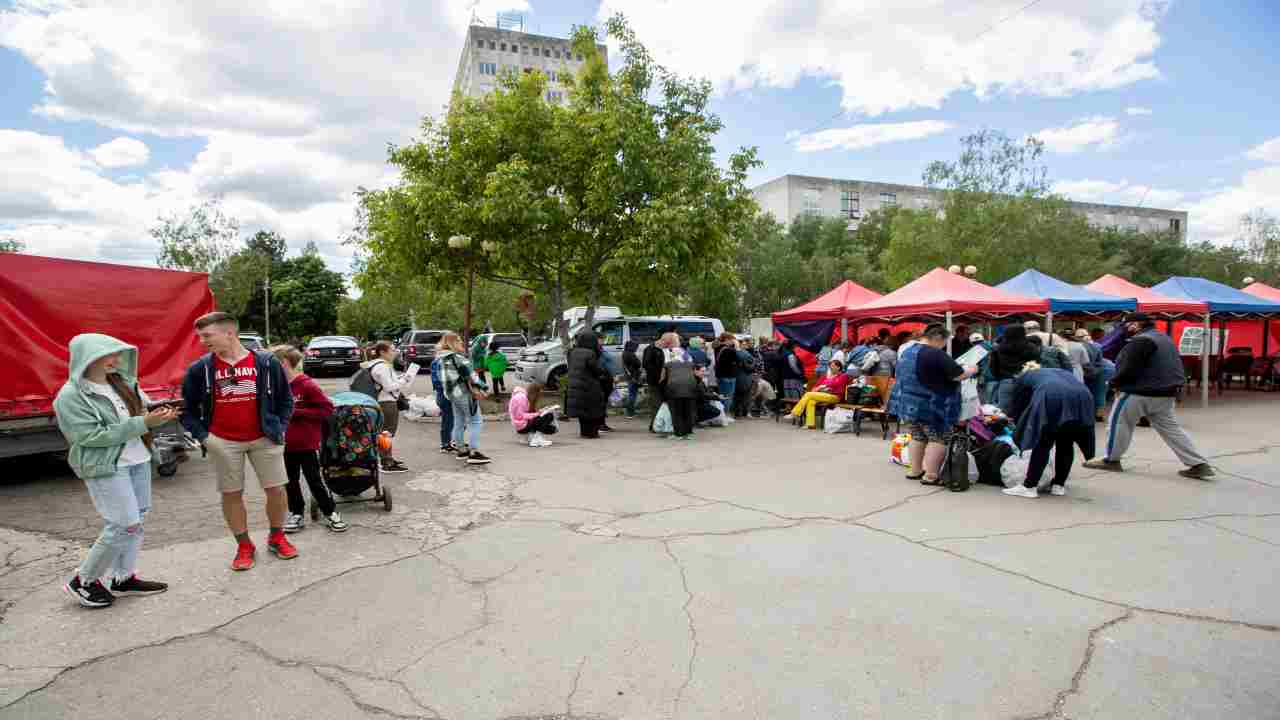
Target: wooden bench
[[784, 405], [883, 385]]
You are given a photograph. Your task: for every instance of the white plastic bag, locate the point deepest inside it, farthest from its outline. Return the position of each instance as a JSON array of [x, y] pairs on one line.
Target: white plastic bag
[[421, 407], [618, 397], [1013, 471], [721, 420], [838, 420], [662, 421], [973, 469]]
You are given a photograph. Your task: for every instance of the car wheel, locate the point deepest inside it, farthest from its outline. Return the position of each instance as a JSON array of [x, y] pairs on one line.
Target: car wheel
[[553, 378]]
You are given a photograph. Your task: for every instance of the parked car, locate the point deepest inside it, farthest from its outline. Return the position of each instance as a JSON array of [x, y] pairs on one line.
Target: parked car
[[545, 363], [418, 346], [252, 342], [331, 353], [509, 344]]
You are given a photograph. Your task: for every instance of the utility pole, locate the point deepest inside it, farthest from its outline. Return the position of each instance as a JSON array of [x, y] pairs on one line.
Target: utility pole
[[266, 299]]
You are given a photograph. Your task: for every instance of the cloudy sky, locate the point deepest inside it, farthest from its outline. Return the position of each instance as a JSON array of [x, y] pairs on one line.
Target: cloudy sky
[[118, 111]]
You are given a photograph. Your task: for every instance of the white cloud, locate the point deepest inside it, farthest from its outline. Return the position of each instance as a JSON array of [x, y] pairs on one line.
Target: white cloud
[[886, 56], [121, 152], [1120, 193], [297, 102], [867, 135], [1268, 151], [1216, 216], [1100, 131], [1137, 111]]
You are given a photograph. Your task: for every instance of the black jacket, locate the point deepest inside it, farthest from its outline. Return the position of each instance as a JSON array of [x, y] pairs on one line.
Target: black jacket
[[1012, 351], [631, 362], [727, 363], [652, 363], [586, 378], [1149, 365], [275, 399]]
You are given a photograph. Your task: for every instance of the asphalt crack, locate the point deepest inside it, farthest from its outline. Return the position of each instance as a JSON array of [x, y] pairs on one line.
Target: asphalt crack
[[577, 679], [693, 631], [1060, 701]]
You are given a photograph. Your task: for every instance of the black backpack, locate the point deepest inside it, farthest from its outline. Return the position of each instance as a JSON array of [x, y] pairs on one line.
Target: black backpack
[[955, 466], [681, 382], [362, 382]]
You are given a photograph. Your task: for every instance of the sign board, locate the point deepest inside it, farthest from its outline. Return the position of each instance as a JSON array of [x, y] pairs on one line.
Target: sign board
[[1192, 341]]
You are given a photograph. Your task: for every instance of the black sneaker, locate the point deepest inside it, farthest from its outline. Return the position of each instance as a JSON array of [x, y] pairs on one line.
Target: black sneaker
[[1105, 464], [462, 453], [393, 467], [478, 458], [137, 586], [93, 595], [1198, 472], [444, 449], [605, 428]]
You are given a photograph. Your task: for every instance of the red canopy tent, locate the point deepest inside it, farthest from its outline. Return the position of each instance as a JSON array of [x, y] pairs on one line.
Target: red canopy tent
[[1149, 301], [945, 294], [1264, 291], [832, 305]]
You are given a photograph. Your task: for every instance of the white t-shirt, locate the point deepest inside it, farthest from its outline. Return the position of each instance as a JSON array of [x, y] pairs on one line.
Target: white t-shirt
[[135, 452]]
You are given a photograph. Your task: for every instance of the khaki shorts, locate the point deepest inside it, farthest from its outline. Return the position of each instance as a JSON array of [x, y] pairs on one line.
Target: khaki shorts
[[228, 459]]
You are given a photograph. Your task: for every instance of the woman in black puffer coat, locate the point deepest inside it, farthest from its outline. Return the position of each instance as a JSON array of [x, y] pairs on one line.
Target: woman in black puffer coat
[[586, 390]]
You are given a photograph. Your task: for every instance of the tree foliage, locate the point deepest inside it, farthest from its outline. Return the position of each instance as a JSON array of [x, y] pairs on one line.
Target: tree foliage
[[11, 245], [198, 241], [615, 193]]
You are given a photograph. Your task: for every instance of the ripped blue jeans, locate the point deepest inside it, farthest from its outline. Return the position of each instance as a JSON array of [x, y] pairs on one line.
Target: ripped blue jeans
[[122, 500]]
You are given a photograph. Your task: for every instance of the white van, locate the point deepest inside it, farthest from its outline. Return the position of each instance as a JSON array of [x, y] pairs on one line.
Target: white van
[[546, 362], [614, 334]]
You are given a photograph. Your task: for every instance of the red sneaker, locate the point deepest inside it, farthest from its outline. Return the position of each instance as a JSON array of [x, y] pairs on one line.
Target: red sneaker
[[280, 546], [244, 557]]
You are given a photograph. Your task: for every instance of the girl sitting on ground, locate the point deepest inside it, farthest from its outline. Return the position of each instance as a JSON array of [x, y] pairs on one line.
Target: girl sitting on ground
[[526, 418]]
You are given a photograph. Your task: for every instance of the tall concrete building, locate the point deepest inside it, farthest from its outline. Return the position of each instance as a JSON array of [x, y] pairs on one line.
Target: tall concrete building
[[791, 196], [490, 51]]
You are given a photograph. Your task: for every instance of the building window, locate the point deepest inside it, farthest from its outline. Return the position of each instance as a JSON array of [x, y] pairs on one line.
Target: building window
[[515, 48], [488, 68], [504, 47], [1175, 225], [524, 50], [557, 54], [850, 204], [546, 52], [528, 70], [813, 202], [888, 199], [493, 45]]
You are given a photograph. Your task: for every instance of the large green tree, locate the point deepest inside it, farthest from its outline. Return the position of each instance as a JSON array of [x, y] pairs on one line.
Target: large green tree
[[305, 298], [11, 245], [616, 191]]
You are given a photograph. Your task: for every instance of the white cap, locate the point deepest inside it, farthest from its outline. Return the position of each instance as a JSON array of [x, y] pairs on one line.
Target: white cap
[[1031, 325], [976, 338]]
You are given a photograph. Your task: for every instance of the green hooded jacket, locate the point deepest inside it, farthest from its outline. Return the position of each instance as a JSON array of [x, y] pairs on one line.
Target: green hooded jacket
[[96, 432]]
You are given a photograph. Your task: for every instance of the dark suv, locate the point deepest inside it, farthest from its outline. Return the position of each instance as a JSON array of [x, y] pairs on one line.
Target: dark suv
[[419, 346]]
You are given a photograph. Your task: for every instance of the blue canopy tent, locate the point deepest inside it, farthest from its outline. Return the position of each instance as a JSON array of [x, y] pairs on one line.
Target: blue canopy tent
[[1223, 301], [1066, 298]]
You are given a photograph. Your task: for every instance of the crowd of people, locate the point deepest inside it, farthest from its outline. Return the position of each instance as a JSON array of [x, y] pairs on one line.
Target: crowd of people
[[259, 408]]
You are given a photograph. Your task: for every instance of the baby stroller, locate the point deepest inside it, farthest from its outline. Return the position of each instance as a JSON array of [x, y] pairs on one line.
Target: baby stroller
[[349, 451]]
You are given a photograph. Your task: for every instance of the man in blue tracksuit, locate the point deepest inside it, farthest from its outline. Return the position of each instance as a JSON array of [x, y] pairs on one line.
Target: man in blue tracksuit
[[1149, 376]]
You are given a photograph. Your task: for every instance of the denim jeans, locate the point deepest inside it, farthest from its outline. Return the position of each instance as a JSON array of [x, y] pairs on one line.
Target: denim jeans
[[1099, 385], [633, 389], [446, 419], [726, 388], [122, 500], [463, 417]]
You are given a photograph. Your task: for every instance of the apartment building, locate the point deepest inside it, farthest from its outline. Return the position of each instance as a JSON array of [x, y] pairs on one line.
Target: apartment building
[[490, 51], [791, 196]]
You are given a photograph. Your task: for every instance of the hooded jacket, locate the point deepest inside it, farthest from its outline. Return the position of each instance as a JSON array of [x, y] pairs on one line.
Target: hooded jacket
[[94, 430], [275, 399], [586, 378], [1012, 352]]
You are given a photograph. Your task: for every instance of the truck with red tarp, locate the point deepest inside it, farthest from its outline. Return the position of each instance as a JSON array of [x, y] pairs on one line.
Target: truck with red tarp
[[44, 302]]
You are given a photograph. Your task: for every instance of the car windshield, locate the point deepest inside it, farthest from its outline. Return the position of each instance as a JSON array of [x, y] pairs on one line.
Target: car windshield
[[331, 342], [427, 338]]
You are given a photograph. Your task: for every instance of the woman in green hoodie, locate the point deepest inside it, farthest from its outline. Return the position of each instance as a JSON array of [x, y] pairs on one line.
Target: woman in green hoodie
[[102, 412]]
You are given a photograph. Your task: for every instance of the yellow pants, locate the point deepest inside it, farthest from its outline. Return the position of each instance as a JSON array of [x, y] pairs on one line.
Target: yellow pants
[[808, 406]]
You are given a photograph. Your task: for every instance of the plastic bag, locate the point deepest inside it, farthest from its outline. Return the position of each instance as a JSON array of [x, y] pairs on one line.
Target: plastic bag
[[421, 407], [662, 420], [1013, 471], [838, 420], [899, 453], [618, 397], [721, 420]]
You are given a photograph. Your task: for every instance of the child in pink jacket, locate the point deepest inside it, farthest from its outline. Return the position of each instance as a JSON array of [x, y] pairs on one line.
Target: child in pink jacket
[[526, 418]]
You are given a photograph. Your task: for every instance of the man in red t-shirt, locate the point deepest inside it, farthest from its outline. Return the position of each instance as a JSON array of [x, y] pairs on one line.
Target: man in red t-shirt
[[238, 404]]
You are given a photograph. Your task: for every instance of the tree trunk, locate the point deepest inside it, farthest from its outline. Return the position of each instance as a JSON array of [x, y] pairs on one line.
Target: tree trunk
[[466, 317]]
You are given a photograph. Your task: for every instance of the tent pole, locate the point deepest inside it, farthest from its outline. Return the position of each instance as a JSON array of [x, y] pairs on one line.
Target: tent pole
[[1048, 322], [1204, 363], [844, 329], [1266, 335], [949, 330]]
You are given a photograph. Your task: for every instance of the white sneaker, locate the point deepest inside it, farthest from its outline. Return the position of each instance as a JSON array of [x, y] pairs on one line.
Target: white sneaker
[[1058, 490], [293, 523], [543, 441], [1021, 491]]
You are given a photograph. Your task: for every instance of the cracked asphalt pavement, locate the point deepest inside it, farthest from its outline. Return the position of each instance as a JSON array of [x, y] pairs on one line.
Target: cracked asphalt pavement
[[760, 571]]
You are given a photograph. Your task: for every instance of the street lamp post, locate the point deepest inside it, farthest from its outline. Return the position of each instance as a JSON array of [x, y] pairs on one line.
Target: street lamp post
[[464, 243]]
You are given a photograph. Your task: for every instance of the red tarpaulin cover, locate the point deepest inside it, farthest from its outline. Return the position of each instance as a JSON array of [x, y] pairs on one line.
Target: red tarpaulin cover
[[939, 291], [832, 305], [1264, 291], [44, 302], [1149, 301]]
